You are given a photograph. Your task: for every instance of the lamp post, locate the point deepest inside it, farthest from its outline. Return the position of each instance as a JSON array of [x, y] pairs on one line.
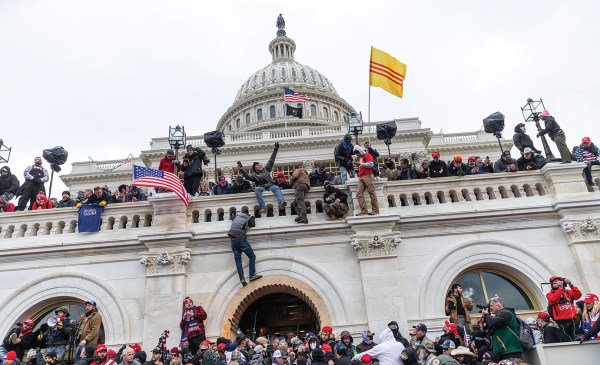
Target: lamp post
[[355, 125], [531, 113], [4, 152], [176, 141]]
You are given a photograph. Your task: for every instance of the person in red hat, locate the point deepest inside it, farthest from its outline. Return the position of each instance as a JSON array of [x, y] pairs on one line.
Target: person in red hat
[[102, 355], [10, 358], [591, 312], [588, 153], [19, 339], [439, 168], [556, 134], [282, 181], [325, 333], [561, 302], [549, 328], [192, 325]]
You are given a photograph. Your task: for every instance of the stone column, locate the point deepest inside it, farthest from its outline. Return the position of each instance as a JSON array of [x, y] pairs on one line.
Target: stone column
[[583, 237], [166, 261], [376, 244]]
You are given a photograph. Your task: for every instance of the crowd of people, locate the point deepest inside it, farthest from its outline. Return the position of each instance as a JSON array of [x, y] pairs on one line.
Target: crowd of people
[[352, 160], [496, 338]]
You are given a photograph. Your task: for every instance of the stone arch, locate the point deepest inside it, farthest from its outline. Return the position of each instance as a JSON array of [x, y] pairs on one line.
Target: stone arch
[[524, 266], [32, 297], [280, 274], [274, 284]]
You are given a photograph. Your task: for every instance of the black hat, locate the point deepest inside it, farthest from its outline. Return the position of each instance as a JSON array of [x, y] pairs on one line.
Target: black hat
[[506, 153], [67, 192], [89, 351], [254, 165], [240, 338]]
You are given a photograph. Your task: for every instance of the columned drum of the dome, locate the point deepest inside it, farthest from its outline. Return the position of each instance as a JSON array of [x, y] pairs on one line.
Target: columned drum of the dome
[[259, 103]]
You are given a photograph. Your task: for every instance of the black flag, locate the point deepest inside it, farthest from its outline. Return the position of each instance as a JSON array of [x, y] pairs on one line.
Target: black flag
[[296, 112]]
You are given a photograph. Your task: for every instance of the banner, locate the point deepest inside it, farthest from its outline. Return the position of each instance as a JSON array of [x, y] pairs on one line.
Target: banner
[[89, 218]]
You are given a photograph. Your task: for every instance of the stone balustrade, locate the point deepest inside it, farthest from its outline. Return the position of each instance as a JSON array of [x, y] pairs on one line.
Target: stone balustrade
[[415, 197]]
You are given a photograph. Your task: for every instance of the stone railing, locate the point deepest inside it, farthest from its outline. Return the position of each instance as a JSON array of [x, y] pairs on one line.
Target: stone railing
[[403, 198], [117, 217]]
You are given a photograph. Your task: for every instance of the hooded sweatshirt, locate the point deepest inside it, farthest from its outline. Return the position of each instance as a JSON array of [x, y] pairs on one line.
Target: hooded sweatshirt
[[387, 352], [8, 183]]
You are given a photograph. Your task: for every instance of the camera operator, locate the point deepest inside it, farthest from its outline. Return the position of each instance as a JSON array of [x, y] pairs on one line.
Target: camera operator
[[19, 339], [192, 168], [561, 305], [503, 328]]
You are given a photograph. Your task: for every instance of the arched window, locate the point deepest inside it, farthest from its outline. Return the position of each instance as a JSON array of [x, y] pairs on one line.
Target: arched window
[[259, 114], [273, 75], [272, 111], [336, 116], [325, 113], [247, 118], [229, 127], [313, 110], [237, 123], [482, 285]]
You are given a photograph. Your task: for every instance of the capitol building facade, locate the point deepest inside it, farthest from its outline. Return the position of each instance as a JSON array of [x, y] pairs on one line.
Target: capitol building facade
[[496, 234]]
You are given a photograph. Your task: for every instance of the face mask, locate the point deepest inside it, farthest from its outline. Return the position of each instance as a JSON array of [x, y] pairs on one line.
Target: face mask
[[313, 346]]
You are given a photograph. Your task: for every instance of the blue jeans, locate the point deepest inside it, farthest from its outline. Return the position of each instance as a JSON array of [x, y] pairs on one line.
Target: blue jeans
[[345, 173], [588, 169], [239, 245], [272, 188], [78, 352]]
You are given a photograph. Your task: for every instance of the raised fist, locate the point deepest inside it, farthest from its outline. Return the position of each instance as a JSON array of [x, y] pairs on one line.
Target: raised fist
[[276, 145]]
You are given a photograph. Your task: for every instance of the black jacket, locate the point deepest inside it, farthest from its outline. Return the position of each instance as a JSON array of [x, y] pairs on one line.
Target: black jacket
[[263, 177], [457, 171], [501, 165], [550, 127], [195, 161], [333, 194], [26, 342], [523, 162], [317, 179], [246, 187], [65, 203], [439, 168], [8, 183], [407, 174], [344, 156], [552, 334], [56, 336], [523, 140]]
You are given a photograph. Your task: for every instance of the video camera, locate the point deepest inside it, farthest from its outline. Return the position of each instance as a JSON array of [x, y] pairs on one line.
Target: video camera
[[483, 306]]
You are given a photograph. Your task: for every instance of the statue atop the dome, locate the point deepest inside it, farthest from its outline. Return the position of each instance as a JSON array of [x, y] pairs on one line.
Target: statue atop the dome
[[280, 26]]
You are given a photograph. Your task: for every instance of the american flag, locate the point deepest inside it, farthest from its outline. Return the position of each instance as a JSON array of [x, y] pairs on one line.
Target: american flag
[[291, 96], [143, 176]]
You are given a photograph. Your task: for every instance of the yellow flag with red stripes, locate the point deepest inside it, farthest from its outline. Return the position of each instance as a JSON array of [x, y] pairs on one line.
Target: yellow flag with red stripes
[[386, 72]]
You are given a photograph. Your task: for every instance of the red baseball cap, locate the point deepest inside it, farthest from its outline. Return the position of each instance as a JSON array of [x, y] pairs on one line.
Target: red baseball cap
[[111, 354], [221, 347], [366, 358], [208, 342], [101, 347], [136, 347], [326, 348], [435, 154], [590, 298], [327, 329], [544, 315], [11, 355], [586, 139]]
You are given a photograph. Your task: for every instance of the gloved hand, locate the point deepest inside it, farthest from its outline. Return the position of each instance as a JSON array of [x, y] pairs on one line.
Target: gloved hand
[[102, 203], [37, 180], [276, 145], [78, 205]]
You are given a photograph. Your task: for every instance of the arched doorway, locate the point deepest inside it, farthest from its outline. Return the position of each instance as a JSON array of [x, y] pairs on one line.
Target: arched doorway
[[278, 314]]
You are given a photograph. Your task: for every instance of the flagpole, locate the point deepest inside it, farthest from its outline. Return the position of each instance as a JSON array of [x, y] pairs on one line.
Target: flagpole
[[369, 115], [284, 113]]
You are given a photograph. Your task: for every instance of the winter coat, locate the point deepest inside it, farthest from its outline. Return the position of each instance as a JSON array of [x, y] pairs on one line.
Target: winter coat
[[317, 179], [300, 177], [552, 334], [523, 162], [470, 169], [375, 155], [424, 173], [166, 164], [335, 193], [579, 151], [56, 336], [439, 168], [195, 161], [407, 174], [65, 203], [284, 185], [502, 165], [551, 127], [140, 195], [522, 140], [457, 170], [8, 183], [344, 360], [263, 177], [27, 340], [240, 225], [36, 174], [425, 341], [452, 308], [343, 155], [350, 349], [45, 205], [221, 190], [199, 317], [504, 332], [90, 328], [561, 302], [363, 346], [387, 352], [246, 187]]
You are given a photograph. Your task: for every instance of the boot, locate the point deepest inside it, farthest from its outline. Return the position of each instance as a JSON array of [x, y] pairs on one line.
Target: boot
[[303, 219], [255, 277]]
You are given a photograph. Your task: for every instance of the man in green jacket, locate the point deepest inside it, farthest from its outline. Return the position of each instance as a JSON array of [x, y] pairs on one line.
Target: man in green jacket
[[504, 329]]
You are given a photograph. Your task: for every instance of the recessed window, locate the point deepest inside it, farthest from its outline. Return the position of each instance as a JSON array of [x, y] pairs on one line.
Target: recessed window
[[283, 73], [303, 73], [273, 75], [484, 285], [294, 73], [313, 77], [238, 123], [247, 118], [259, 115], [272, 111], [263, 77], [336, 116], [313, 110], [325, 113]]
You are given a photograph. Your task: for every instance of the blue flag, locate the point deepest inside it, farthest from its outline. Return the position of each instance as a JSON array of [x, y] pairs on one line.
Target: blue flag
[[89, 218]]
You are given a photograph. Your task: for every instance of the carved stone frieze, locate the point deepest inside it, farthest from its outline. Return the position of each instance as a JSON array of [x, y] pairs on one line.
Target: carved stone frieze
[[376, 246], [309, 165], [227, 171], [165, 263], [584, 230]]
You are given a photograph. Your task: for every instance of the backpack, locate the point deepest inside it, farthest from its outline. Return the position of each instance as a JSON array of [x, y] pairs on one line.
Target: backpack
[[525, 335]]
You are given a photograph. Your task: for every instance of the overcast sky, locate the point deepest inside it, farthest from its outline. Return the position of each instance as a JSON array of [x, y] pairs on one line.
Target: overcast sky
[[101, 78]]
